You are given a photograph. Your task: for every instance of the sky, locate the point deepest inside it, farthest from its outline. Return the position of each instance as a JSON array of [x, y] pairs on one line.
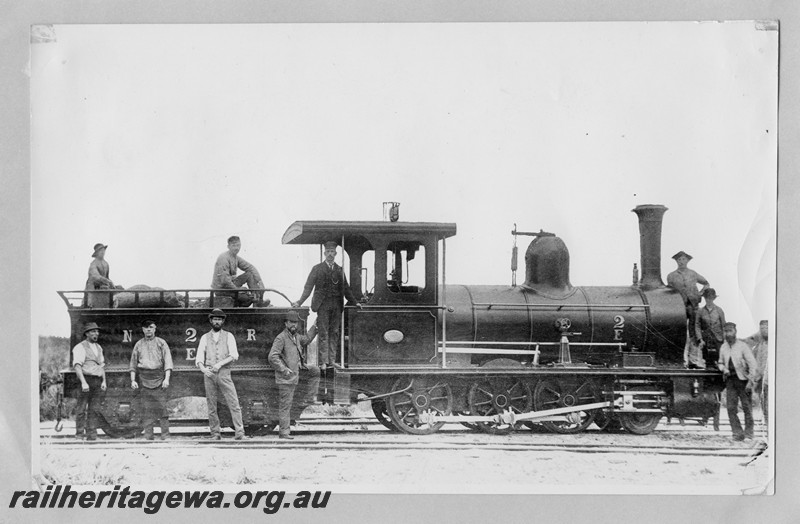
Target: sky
[[163, 140]]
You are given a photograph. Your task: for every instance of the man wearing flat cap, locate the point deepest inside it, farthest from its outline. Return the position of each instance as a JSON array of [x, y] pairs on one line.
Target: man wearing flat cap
[[739, 368], [330, 288], [215, 353], [98, 278], [89, 364], [151, 363], [288, 358], [685, 281]]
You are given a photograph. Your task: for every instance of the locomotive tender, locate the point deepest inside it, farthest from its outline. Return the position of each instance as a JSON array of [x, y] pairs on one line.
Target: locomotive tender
[[426, 353]]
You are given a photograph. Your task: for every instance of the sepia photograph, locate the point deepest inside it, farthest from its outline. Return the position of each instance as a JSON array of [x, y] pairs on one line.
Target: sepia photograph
[[406, 258]]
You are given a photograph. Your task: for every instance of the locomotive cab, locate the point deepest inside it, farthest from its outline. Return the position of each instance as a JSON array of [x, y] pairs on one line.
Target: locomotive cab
[[394, 267]]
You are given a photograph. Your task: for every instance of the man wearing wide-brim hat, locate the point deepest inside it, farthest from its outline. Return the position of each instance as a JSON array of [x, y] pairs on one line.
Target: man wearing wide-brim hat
[[216, 351], [330, 288], [98, 278], [89, 365], [685, 281], [288, 358]]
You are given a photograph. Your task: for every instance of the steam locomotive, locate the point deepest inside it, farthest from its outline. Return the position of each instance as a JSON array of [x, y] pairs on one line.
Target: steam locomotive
[[424, 352]]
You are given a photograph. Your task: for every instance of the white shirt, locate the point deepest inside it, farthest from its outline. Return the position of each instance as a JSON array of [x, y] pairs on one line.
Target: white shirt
[[200, 358]]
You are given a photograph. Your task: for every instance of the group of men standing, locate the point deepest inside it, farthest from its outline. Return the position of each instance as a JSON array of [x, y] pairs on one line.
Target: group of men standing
[[743, 363], [151, 362]]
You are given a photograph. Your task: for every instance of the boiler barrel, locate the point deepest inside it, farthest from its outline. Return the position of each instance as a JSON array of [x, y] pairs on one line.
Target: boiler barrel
[[609, 320]]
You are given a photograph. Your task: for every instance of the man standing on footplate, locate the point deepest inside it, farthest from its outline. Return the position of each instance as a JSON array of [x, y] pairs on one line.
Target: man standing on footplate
[[330, 288]]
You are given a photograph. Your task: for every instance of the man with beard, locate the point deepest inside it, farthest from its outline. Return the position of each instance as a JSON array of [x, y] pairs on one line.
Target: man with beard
[[288, 358], [738, 368], [215, 352], [89, 364], [152, 362], [330, 287]]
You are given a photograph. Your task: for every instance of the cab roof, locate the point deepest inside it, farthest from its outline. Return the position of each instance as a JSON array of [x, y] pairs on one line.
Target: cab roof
[[321, 231]]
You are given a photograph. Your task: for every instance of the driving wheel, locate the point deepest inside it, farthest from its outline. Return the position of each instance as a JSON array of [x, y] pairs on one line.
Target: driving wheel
[[426, 396]]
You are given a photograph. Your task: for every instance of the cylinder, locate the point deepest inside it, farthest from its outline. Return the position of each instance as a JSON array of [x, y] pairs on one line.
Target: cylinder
[[650, 219]]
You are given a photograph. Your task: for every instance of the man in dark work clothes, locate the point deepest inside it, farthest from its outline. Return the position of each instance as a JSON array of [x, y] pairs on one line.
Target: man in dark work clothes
[[330, 288]]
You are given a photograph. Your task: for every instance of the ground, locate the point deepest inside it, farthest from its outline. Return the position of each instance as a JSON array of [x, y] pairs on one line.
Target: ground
[[678, 460]]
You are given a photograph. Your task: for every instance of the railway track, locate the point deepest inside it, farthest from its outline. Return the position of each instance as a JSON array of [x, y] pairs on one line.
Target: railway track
[[356, 434]]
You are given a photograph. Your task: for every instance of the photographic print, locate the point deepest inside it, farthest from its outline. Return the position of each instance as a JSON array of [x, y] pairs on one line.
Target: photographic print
[[406, 258]]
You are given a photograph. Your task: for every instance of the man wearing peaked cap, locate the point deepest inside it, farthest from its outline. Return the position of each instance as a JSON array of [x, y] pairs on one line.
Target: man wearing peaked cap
[[685, 281], [330, 287], [98, 278], [89, 364], [216, 351], [288, 358]]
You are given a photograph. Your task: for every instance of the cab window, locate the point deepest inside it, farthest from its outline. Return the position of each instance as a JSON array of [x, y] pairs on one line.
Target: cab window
[[405, 267]]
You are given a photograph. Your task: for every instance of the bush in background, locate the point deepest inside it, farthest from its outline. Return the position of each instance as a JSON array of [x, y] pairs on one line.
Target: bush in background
[[53, 357]]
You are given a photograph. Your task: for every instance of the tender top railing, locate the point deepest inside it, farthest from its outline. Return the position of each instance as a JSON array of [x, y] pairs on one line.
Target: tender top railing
[[185, 298]]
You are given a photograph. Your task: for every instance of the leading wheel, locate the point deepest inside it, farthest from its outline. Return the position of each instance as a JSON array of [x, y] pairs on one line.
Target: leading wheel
[[639, 423], [552, 394], [493, 397], [426, 396], [382, 414]]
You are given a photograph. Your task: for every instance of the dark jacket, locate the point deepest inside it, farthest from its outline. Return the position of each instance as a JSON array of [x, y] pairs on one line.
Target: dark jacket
[[286, 354], [326, 284]]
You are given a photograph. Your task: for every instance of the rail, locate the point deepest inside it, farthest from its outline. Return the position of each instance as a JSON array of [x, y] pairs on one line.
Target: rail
[[76, 299]]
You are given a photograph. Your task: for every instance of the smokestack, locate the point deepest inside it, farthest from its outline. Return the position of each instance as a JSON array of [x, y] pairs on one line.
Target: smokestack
[[650, 218]]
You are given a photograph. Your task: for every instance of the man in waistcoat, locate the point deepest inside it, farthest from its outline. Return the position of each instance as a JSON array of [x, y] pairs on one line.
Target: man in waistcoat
[[89, 364], [288, 358], [225, 269], [330, 288], [738, 366], [152, 362], [215, 353]]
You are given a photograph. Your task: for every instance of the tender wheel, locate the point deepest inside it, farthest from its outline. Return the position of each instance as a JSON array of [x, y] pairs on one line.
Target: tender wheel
[[117, 432], [493, 397], [550, 394], [639, 423], [427, 395], [382, 414]]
